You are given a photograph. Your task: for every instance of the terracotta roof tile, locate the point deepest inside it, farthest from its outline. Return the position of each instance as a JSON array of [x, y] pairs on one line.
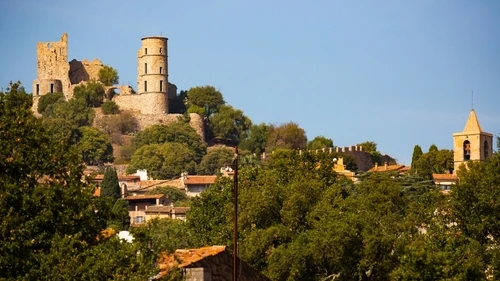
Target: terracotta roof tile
[[385, 168], [120, 177], [182, 258], [144, 196], [200, 179], [449, 177]]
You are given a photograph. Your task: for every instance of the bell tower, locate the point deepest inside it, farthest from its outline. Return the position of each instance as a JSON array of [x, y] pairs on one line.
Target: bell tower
[[472, 144]]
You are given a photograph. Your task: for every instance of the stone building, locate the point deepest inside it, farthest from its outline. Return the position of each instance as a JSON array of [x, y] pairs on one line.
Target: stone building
[[149, 103], [472, 144]]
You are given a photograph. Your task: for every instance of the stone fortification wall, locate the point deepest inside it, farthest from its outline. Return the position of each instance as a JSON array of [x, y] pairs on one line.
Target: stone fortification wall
[[197, 123], [148, 103], [84, 70]]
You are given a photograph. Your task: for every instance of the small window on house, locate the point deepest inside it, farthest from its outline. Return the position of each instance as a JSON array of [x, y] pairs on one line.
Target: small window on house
[[161, 51], [37, 89], [466, 150], [145, 51], [139, 219], [486, 149], [145, 68], [51, 88], [145, 86], [161, 85], [161, 68]]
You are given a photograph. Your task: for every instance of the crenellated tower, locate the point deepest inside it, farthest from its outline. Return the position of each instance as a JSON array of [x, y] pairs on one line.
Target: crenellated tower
[[472, 144]]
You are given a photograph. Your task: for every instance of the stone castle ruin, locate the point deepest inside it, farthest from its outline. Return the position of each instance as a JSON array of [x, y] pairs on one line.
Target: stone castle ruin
[[149, 104]]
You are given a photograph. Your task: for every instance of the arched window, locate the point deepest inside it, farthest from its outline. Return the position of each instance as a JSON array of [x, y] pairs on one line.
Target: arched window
[[466, 150], [486, 149]]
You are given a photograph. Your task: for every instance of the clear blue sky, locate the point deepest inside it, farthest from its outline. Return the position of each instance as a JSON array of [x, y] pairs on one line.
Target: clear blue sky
[[397, 72]]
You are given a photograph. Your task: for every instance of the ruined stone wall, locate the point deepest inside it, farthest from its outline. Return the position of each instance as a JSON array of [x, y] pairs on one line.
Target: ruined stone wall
[[52, 67], [84, 70]]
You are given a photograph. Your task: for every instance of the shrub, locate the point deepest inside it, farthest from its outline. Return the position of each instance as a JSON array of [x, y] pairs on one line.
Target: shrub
[[110, 107], [48, 99]]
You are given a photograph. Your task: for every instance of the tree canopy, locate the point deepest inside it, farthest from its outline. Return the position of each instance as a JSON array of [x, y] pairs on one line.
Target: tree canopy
[[108, 76], [288, 135], [177, 132], [229, 123], [95, 146], [319, 142], [164, 161], [256, 139], [50, 222], [91, 92], [48, 99], [204, 100]]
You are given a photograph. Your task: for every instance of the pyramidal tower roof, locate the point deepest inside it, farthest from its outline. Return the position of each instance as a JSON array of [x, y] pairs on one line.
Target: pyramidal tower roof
[[472, 125]]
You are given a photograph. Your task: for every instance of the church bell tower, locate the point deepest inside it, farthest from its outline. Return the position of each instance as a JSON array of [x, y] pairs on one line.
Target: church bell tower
[[472, 144]]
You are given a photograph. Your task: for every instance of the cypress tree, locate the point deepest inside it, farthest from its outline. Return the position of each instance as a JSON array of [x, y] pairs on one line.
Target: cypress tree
[[417, 152], [110, 186]]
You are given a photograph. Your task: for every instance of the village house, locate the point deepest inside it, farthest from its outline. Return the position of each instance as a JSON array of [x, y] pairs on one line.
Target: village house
[[213, 263], [170, 212], [138, 204]]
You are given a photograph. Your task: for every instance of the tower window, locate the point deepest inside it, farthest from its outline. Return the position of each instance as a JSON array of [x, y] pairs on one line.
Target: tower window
[[51, 88], [37, 89], [486, 149], [161, 51], [466, 150], [161, 85], [161, 68], [145, 51], [145, 86], [60, 51], [145, 68]]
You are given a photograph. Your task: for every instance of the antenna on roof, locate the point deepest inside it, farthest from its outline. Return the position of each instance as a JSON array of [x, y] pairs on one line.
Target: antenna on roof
[[472, 99]]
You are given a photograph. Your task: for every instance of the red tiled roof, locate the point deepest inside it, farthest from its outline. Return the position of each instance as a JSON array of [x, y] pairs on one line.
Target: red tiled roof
[[448, 177], [144, 196], [200, 179], [385, 168], [182, 258], [120, 177]]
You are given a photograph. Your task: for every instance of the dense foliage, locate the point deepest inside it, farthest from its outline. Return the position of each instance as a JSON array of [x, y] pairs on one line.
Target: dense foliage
[[50, 222]]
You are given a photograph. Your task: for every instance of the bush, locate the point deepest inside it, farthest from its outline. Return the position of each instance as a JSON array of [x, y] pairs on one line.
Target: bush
[[48, 99], [116, 125], [110, 107]]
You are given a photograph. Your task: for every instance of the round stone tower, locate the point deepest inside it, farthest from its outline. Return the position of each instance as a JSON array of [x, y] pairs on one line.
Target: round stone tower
[[152, 70]]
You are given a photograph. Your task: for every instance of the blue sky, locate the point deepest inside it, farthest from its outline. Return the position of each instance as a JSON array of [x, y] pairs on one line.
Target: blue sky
[[396, 72]]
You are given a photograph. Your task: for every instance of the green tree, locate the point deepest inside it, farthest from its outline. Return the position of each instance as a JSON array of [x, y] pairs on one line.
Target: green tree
[[164, 161], [417, 152], [110, 187], [288, 136], [214, 160], [256, 140], [434, 162], [229, 123], [319, 142], [74, 111], [177, 132], [95, 146], [433, 148], [48, 99], [49, 218], [110, 107], [205, 99], [108, 76], [91, 92]]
